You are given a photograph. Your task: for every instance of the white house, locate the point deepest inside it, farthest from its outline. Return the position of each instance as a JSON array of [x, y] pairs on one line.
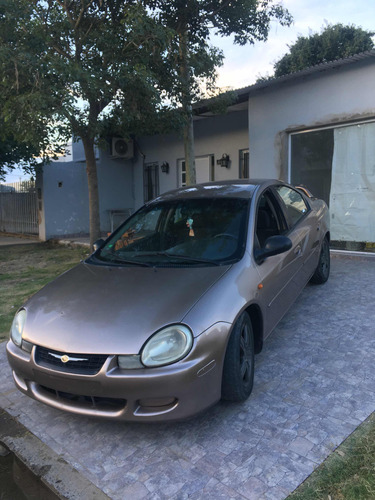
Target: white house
[[315, 127]]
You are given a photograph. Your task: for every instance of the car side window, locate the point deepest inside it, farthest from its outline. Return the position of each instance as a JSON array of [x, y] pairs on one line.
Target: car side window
[[269, 219], [294, 204]]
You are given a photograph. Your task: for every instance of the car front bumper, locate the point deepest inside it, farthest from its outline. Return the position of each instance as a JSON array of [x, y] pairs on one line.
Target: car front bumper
[[172, 392]]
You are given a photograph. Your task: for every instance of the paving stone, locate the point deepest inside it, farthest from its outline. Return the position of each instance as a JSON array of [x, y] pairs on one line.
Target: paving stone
[[211, 462], [135, 491], [318, 453], [214, 490], [301, 446], [273, 475], [295, 463], [243, 454], [275, 493], [195, 483], [316, 436], [239, 475], [253, 489]]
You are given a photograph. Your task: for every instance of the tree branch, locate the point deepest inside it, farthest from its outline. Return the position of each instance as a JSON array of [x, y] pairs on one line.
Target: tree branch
[[17, 76], [62, 52], [221, 7]]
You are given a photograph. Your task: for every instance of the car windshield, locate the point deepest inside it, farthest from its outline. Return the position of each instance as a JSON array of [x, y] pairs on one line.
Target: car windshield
[[184, 232]]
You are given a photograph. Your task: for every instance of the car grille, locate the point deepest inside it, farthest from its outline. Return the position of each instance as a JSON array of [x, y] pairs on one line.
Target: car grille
[[85, 402], [81, 364]]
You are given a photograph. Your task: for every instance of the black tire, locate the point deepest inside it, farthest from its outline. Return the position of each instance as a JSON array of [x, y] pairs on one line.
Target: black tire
[[321, 273], [238, 372]]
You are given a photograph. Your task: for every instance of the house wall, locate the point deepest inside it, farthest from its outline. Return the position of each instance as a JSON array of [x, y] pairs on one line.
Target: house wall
[[341, 101], [116, 187], [64, 208], [64, 200], [339, 95], [214, 135]]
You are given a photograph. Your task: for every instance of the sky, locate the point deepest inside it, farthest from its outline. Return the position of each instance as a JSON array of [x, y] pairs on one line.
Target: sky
[[243, 65]]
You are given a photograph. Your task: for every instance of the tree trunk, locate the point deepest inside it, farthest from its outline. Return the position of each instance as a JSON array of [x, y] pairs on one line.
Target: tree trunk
[[191, 177], [92, 180], [188, 111]]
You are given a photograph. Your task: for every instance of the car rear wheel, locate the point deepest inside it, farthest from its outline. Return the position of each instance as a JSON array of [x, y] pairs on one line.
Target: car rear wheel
[[238, 372], [321, 273]]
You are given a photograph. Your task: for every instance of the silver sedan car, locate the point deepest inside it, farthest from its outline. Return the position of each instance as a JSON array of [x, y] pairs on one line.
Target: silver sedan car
[[164, 318]]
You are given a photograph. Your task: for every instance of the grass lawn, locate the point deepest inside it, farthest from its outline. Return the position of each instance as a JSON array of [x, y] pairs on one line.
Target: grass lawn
[[348, 473], [25, 269]]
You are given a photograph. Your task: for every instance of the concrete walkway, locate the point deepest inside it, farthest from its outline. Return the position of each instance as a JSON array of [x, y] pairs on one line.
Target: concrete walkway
[[314, 384], [10, 239]]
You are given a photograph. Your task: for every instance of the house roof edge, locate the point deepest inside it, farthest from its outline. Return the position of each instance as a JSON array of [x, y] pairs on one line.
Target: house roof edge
[[245, 92]]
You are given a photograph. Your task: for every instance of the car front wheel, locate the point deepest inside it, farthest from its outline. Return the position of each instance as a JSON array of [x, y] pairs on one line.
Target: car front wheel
[[238, 372]]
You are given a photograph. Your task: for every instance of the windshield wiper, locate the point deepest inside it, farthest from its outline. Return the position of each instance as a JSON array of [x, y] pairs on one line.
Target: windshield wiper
[[182, 257], [128, 261]]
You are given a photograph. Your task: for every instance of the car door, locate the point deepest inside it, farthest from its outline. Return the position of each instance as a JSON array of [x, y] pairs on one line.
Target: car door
[[280, 283]]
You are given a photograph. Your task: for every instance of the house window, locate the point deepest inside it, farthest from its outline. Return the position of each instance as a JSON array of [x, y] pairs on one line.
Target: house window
[[150, 181], [204, 169], [244, 172], [337, 165], [183, 173]]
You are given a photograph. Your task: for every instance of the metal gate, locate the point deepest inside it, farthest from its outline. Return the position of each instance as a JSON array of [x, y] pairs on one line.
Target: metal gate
[[18, 208]]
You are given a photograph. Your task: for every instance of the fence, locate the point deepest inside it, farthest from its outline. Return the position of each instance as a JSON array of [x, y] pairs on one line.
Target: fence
[[18, 208]]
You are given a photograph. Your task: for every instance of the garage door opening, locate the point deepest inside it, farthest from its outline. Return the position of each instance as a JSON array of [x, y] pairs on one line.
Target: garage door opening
[[337, 165]]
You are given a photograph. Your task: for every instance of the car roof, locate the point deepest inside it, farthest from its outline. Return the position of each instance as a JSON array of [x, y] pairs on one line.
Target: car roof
[[239, 188]]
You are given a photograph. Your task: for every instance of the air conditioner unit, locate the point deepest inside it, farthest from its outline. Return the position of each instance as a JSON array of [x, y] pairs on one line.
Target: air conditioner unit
[[122, 148]]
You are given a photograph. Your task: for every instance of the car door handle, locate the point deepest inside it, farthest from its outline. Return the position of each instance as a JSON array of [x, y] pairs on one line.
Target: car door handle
[[298, 250]]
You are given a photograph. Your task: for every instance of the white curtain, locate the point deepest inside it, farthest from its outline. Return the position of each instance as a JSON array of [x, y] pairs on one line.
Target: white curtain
[[352, 197]]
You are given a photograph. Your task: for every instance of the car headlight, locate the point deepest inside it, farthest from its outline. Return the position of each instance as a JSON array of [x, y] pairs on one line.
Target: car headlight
[[167, 346], [17, 327]]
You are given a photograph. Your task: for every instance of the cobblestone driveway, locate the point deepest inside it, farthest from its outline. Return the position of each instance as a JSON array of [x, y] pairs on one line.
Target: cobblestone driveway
[[315, 383]]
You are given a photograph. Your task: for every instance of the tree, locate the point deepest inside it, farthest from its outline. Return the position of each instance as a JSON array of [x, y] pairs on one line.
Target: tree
[[333, 42], [21, 138], [69, 66], [14, 153], [89, 67], [191, 59]]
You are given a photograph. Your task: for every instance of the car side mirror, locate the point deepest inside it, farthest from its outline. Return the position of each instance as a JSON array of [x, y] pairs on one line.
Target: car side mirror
[[274, 245], [98, 244]]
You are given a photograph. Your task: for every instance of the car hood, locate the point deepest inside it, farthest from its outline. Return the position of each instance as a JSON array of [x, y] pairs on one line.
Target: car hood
[[113, 310]]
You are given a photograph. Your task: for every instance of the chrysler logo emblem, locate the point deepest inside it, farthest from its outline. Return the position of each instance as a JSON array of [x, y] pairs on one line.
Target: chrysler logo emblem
[[65, 358]]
